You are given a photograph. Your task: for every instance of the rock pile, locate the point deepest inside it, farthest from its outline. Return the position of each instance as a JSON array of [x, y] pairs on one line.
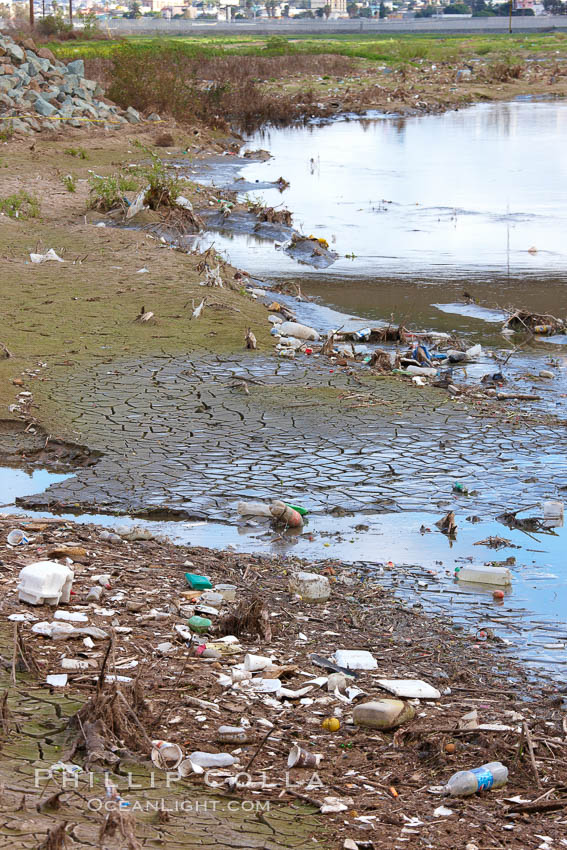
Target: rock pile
[[38, 92]]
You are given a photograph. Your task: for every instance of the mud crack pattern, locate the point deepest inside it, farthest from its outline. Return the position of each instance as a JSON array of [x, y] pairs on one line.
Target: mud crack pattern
[[194, 437]]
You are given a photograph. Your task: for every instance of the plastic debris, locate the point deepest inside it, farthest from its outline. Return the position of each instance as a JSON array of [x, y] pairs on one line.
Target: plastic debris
[[409, 688], [43, 258], [45, 583]]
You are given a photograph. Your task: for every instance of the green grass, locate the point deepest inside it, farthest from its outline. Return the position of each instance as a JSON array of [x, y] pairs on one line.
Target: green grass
[[394, 49], [20, 205], [80, 153]]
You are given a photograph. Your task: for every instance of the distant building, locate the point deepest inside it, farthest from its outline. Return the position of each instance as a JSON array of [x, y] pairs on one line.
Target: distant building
[[538, 8], [338, 7]]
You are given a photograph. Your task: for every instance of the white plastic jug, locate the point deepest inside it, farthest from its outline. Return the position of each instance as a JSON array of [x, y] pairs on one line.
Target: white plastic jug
[[45, 583], [312, 587], [298, 330], [486, 575]]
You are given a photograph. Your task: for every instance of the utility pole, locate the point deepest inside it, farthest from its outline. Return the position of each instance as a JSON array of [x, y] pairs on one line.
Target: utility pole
[[509, 20], [31, 14]]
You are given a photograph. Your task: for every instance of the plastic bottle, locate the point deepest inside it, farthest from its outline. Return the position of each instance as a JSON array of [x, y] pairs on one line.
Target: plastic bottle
[[233, 735], [467, 782], [485, 575], [253, 509], [286, 515], [298, 330]]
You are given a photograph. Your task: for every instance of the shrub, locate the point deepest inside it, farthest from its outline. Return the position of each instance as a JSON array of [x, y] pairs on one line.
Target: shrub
[[163, 185], [107, 193], [504, 70], [54, 24], [218, 90]]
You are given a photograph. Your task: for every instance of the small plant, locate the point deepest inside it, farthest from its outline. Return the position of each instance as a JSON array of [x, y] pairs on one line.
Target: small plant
[[6, 131], [107, 193], [70, 183], [163, 186], [504, 70], [80, 153], [20, 205]]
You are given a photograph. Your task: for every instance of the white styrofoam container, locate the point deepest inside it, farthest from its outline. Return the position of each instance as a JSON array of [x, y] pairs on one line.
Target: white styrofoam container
[[355, 659], [45, 583], [409, 688]]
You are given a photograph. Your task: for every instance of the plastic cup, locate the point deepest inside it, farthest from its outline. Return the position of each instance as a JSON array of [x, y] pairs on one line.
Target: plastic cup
[[298, 757], [17, 537], [166, 755]]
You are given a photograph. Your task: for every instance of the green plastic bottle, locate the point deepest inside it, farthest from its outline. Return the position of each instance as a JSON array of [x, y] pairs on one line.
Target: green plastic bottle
[[200, 625]]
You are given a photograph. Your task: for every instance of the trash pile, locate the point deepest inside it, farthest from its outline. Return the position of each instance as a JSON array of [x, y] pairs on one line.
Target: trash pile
[[426, 358], [38, 92], [282, 681], [420, 360], [540, 324]]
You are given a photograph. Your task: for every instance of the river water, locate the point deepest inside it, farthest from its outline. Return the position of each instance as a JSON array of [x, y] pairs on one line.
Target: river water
[[420, 210]]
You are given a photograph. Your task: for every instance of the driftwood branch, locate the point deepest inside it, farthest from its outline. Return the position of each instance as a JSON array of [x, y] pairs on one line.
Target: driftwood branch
[[529, 742]]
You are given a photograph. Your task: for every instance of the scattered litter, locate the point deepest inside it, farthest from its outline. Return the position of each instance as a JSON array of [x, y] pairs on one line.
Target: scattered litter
[[467, 782], [17, 537], [442, 812], [165, 755], [71, 616], [43, 258], [312, 587], [298, 757]]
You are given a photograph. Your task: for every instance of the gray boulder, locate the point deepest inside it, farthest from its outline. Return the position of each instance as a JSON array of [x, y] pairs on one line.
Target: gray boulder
[[132, 116], [13, 50], [44, 108], [77, 67], [7, 83], [20, 127]]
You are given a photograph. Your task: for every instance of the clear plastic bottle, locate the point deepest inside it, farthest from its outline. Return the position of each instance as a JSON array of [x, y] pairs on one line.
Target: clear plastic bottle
[[484, 778]]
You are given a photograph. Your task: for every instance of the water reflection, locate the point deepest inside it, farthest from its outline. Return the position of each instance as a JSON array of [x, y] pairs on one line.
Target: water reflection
[[473, 189]]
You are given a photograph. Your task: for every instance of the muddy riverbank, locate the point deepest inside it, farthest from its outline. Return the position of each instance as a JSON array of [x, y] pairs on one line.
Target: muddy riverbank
[[382, 779], [179, 422]]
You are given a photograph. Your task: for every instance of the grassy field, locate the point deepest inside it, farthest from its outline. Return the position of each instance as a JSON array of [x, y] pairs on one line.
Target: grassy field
[[397, 49]]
